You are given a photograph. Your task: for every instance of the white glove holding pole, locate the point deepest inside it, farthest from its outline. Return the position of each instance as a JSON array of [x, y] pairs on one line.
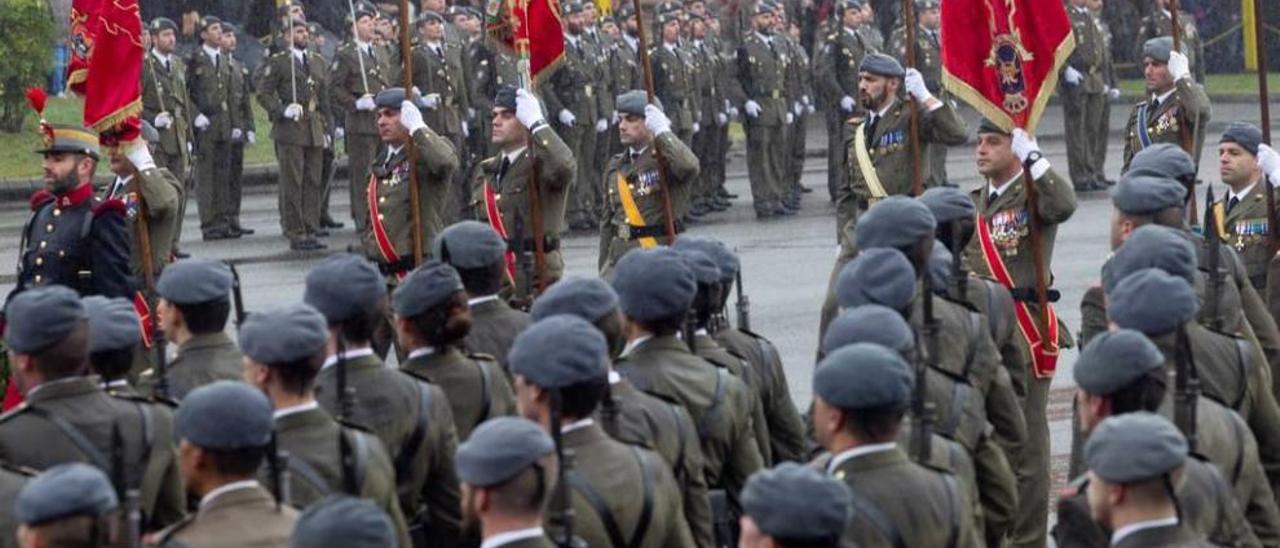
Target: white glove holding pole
[[411, 117], [1179, 66], [1072, 76], [1113, 93], [431, 100], [236, 134], [656, 120], [797, 108], [846, 103], [722, 119], [163, 120], [139, 154], [339, 133], [365, 103], [752, 108], [914, 82], [293, 112], [1023, 145], [791, 118], [202, 122], [602, 125], [566, 118], [1269, 161], [528, 111]]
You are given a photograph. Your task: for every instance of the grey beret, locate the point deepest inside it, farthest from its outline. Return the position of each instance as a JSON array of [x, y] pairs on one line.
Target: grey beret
[[427, 286], [209, 21], [228, 27], [1247, 135], [881, 276], [940, 259], [725, 258], [1158, 49], [113, 323], [343, 285], [763, 6], [881, 65], [864, 376], [850, 5], [63, 491], [194, 281], [499, 449], [896, 221], [869, 323], [1151, 246], [1163, 159], [1135, 447], [948, 204], [560, 351], [705, 270], [365, 9], [571, 8], [1141, 192], [469, 244], [653, 284], [988, 125], [587, 298], [1114, 359], [1152, 301], [391, 98], [927, 4], [42, 316], [795, 502], [284, 335], [429, 15], [633, 102], [505, 97], [161, 24], [225, 415], [341, 520]]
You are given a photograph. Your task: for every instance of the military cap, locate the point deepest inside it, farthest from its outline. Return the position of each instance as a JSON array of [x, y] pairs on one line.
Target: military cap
[[225, 415], [850, 5], [1135, 447], [1141, 193], [149, 133], [896, 221], [608, 19], [161, 24], [69, 138], [473, 12], [653, 284], [1152, 301], [560, 351], [587, 298], [704, 268], [341, 520], [390, 98], [209, 21], [1162, 160], [113, 323], [948, 204], [469, 244], [571, 8], [284, 335], [1247, 135], [42, 316], [505, 97], [228, 27], [194, 281], [987, 125], [927, 4], [427, 16], [864, 376], [662, 18], [1158, 49], [1114, 359], [724, 257], [365, 9], [869, 323], [633, 102], [64, 491], [795, 502], [1151, 246], [499, 449], [940, 267], [624, 12], [881, 65], [881, 276], [763, 7], [343, 285], [427, 286], [670, 6]]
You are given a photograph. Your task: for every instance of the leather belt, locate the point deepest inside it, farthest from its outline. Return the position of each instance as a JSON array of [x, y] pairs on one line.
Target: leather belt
[[627, 231], [549, 244], [391, 269]]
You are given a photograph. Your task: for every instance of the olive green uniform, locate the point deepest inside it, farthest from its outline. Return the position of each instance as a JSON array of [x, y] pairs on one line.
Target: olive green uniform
[[625, 74], [1248, 232], [441, 69], [493, 68], [759, 74], [349, 84], [247, 516], [929, 62], [1160, 23], [708, 349], [12, 480], [1084, 104], [799, 95], [162, 193], [1188, 106], [200, 360], [835, 71], [494, 326], [677, 86], [570, 88], [475, 385], [619, 235], [164, 89], [241, 107], [390, 207], [209, 85], [786, 428], [593, 156]]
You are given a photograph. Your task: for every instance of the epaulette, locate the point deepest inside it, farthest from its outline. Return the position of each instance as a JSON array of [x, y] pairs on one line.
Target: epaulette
[[40, 198], [115, 205], [14, 412]]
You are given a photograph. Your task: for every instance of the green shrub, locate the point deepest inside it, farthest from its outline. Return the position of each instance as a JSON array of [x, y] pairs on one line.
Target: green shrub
[[26, 56]]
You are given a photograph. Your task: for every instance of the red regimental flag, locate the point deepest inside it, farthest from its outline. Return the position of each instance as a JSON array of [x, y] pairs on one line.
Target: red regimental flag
[[1002, 56], [532, 26], [106, 65]]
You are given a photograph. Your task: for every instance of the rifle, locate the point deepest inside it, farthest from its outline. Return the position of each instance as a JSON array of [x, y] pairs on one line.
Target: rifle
[[1213, 293], [921, 432], [278, 464], [523, 294], [347, 455], [564, 457], [237, 297], [1187, 390], [743, 305], [958, 275]]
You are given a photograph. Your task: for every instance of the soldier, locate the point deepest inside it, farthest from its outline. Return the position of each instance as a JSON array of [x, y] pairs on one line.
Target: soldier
[[240, 106], [800, 91], [501, 193], [479, 256], [507, 470], [929, 62], [114, 331], [284, 350], [560, 368], [71, 415], [291, 90], [209, 84], [759, 82], [673, 84], [1248, 167], [1159, 23], [1177, 105], [630, 415], [68, 505], [389, 239], [835, 71], [634, 214], [1083, 88], [356, 386], [794, 505], [710, 102], [167, 105], [343, 521], [861, 393], [571, 98], [870, 28], [359, 72], [73, 238], [597, 149], [441, 70], [195, 302], [157, 187], [431, 319]]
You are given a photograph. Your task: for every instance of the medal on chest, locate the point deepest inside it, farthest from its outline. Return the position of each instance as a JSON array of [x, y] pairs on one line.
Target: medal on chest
[[1008, 228]]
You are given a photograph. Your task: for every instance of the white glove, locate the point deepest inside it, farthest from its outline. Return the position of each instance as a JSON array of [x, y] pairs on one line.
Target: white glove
[[566, 118], [528, 111], [1269, 161], [1023, 144], [1072, 76], [790, 118], [656, 120], [236, 134], [846, 103], [727, 105], [328, 142], [139, 154], [810, 109], [805, 99], [411, 117], [797, 108], [431, 100], [616, 118], [190, 148], [752, 108], [466, 131], [163, 120], [697, 127], [1179, 66], [202, 122], [293, 111], [471, 113], [250, 137], [602, 125], [733, 112], [914, 82], [1113, 93], [722, 119], [365, 103], [339, 133]]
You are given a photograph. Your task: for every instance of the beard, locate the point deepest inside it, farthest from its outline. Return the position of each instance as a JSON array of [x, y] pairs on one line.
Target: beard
[[63, 184], [872, 102]]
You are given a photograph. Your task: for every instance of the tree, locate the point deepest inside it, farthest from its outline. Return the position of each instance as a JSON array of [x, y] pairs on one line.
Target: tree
[[25, 56]]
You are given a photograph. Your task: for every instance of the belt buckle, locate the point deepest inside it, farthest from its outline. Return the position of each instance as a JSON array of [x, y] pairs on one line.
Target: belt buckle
[[624, 231]]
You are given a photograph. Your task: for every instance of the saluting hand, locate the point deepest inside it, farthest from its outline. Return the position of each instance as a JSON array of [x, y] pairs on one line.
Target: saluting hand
[[656, 120], [528, 111], [411, 117]]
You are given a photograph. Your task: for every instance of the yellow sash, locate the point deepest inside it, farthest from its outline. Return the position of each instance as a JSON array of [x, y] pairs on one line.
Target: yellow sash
[[864, 164], [634, 218]]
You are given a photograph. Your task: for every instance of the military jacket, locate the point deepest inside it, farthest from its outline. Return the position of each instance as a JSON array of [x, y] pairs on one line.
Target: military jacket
[[209, 85], [415, 424], [240, 517], [644, 182], [390, 205], [164, 89], [444, 74], [493, 68], [708, 349], [799, 76], [76, 240], [710, 77], [240, 105], [12, 480], [872, 37], [161, 191], [74, 420], [606, 94], [836, 66], [760, 73], [624, 66], [572, 87], [996, 305], [675, 85], [1249, 232], [1090, 56], [928, 55], [349, 84], [786, 428], [285, 80], [494, 326], [556, 171], [1159, 23], [475, 385], [201, 360], [1188, 105]]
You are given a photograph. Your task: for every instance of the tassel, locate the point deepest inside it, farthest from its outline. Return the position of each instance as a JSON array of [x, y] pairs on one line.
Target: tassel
[[36, 98]]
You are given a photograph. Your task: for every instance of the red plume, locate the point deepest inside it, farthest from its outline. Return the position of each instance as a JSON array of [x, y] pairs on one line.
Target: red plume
[[36, 97]]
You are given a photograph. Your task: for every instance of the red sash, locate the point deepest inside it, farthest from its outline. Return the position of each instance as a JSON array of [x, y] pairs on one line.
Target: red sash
[[1044, 352], [144, 317], [385, 247], [495, 221]]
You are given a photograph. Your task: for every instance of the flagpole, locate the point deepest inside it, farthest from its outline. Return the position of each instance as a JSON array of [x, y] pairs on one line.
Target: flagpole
[[1260, 51], [913, 134], [1184, 133], [535, 196], [663, 186], [406, 79]]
